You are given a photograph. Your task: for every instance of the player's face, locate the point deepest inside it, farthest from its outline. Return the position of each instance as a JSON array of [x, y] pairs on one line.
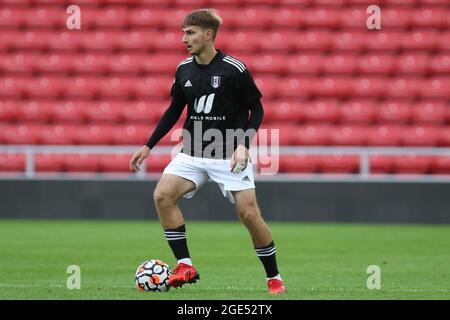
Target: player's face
[[194, 38]]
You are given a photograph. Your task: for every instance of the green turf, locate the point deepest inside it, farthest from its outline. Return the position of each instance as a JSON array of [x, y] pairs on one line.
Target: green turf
[[317, 261]]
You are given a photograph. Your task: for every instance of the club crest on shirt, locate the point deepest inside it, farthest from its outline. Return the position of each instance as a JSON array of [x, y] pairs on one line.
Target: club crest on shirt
[[215, 81]]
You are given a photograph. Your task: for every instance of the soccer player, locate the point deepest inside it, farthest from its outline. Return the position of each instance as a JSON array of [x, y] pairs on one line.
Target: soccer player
[[220, 94]]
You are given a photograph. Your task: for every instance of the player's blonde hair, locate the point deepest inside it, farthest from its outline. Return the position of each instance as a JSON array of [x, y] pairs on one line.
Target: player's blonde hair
[[204, 18]]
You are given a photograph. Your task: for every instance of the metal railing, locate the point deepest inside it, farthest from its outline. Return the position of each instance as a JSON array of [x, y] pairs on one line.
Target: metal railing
[[363, 153]]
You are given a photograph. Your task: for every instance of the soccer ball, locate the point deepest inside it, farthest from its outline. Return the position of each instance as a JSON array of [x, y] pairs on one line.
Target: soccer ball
[[153, 275]]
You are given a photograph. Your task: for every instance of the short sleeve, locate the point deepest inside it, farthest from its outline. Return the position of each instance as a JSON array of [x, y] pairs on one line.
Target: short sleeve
[[247, 88]]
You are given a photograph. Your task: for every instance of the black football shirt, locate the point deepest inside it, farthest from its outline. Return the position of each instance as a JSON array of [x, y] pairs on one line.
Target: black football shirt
[[218, 96]]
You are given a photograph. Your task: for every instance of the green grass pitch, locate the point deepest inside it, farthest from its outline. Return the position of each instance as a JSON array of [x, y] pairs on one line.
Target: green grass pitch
[[317, 261]]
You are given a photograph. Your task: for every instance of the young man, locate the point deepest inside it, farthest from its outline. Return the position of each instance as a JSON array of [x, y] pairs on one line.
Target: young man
[[219, 92]]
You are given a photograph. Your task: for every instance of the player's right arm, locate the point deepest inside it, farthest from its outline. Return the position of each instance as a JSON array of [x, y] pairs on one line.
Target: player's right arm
[[167, 121]]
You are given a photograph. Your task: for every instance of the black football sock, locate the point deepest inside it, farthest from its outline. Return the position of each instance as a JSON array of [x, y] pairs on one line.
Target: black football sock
[[267, 256], [177, 242]]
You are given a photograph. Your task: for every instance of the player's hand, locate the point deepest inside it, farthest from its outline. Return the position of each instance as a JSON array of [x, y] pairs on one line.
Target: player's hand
[[138, 157], [239, 159]]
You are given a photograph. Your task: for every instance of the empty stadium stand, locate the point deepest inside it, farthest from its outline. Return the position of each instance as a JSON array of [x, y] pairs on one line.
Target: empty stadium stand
[[326, 79]]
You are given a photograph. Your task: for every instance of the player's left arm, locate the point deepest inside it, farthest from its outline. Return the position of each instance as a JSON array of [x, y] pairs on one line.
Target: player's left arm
[[251, 98], [239, 159]]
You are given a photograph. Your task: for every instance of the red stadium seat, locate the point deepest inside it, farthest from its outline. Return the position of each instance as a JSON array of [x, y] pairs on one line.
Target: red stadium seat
[[312, 135], [12, 162], [412, 164], [444, 41], [253, 17], [429, 17], [304, 63], [332, 87], [349, 41], [146, 17], [376, 64], [348, 135], [12, 86], [339, 163], [278, 41], [8, 110], [70, 40], [385, 136], [137, 40], [440, 64], [117, 87], [412, 63], [157, 162], [94, 135], [58, 135], [381, 40], [381, 164], [396, 18], [111, 17], [354, 17], [424, 40], [89, 63], [18, 63], [34, 111], [430, 113], [268, 63], [402, 87], [143, 112], [299, 163], [104, 112], [69, 111], [286, 133], [394, 112], [161, 63], [126, 63], [321, 111], [157, 87], [48, 162], [30, 40], [436, 87], [44, 87], [313, 40], [100, 40], [174, 17], [296, 87], [81, 162], [320, 17], [270, 87], [131, 134], [340, 64], [420, 136], [82, 87], [53, 63], [44, 17], [286, 17], [283, 110], [241, 41], [444, 136], [441, 165], [357, 112], [369, 87], [169, 40], [21, 134], [115, 163], [12, 17]]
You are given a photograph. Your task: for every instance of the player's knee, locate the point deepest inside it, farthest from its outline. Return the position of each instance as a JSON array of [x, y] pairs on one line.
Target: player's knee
[[249, 213], [163, 198]]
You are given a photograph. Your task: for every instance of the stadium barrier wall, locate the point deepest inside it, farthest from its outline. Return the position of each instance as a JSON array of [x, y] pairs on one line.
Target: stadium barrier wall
[[284, 200]]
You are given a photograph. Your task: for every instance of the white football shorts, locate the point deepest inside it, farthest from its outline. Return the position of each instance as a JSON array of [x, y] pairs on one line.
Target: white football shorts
[[201, 170]]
